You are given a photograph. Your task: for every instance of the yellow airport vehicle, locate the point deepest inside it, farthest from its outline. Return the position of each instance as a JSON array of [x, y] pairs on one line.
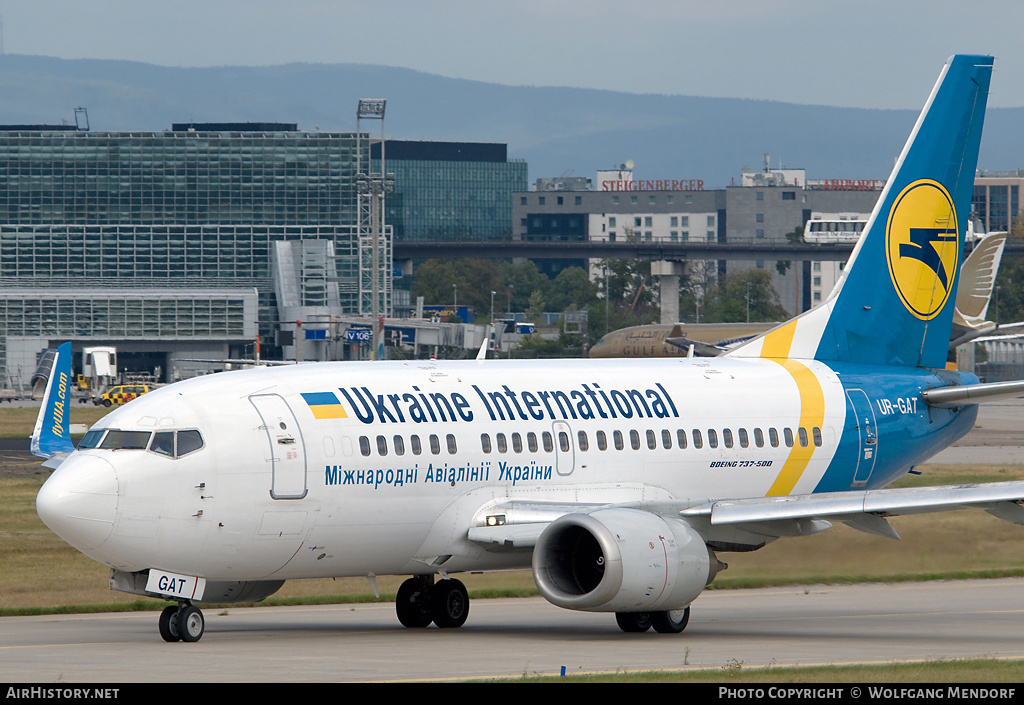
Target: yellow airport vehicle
[[121, 394]]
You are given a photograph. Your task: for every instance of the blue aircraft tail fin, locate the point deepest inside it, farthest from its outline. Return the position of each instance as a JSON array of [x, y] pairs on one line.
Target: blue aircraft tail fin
[[52, 432], [894, 302]]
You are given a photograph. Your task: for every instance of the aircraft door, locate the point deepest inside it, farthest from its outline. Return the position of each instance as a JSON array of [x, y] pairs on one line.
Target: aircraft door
[[864, 414], [287, 452], [564, 453]]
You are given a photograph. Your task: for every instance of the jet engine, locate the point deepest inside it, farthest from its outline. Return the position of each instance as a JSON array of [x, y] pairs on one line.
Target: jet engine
[[622, 560]]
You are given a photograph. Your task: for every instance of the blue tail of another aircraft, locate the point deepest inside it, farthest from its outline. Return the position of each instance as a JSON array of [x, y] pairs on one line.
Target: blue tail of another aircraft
[[893, 304], [52, 432]]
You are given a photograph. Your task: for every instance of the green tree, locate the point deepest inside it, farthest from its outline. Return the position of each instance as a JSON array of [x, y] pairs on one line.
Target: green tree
[[746, 291], [1007, 302], [519, 281], [572, 290], [471, 280]]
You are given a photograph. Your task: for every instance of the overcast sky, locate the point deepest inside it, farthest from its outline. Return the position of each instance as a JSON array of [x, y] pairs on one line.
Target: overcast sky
[[869, 53]]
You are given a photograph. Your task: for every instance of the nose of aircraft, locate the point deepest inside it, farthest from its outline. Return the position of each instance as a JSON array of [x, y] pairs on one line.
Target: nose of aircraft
[[79, 501]]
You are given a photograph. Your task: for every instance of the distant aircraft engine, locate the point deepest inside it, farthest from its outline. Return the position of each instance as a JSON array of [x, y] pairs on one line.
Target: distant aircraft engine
[[622, 560]]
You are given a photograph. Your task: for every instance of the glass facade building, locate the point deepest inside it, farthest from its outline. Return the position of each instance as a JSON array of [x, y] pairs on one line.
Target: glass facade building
[[122, 236], [996, 201], [450, 190]]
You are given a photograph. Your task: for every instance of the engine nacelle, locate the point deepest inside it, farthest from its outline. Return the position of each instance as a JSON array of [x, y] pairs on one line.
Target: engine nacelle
[[621, 560]]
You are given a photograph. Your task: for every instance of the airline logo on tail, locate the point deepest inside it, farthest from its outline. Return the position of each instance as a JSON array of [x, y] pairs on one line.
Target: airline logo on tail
[[922, 247]]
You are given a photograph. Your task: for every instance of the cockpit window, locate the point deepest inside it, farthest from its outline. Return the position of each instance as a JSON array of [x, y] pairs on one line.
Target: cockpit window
[[160, 442], [188, 441], [163, 443], [126, 440], [92, 438]]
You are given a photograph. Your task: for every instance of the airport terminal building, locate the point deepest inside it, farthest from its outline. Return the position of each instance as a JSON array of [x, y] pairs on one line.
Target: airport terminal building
[[174, 244], [191, 242], [188, 243]]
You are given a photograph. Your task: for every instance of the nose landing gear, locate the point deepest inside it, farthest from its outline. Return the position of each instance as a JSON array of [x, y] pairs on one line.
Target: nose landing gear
[[182, 622]]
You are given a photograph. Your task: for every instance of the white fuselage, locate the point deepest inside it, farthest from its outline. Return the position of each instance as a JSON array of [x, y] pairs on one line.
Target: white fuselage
[[391, 482]]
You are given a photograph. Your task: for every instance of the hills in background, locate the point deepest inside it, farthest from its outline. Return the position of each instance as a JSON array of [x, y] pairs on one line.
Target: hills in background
[[557, 131]]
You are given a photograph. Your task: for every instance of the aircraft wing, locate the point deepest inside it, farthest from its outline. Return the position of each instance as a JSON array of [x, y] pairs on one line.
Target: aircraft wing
[[862, 510], [518, 525]]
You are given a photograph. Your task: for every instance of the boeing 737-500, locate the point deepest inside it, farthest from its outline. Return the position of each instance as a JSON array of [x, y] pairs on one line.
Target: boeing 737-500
[[620, 483]]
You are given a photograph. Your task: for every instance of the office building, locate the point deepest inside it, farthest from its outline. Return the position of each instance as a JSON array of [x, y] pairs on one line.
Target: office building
[[173, 244]]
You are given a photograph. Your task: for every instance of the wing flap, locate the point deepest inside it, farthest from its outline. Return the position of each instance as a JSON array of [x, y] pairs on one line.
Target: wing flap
[[862, 510]]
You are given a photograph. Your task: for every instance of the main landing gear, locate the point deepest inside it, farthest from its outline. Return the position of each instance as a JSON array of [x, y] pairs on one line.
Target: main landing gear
[[421, 602], [182, 622], [664, 622]]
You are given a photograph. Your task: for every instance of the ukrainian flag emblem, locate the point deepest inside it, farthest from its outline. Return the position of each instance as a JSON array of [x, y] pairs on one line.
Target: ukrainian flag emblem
[[325, 405]]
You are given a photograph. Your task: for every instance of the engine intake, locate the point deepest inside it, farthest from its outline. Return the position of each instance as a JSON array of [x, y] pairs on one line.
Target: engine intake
[[622, 560]]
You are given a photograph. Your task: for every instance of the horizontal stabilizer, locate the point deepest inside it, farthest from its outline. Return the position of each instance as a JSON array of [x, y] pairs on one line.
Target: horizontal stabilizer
[[961, 395]]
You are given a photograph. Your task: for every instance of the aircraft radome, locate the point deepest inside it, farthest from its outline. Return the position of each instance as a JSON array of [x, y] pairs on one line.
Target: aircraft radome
[[619, 482]]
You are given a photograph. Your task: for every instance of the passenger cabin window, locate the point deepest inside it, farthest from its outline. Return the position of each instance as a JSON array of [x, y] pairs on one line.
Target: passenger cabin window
[[416, 447], [517, 443], [452, 448], [531, 441], [712, 438], [681, 438], [435, 444], [399, 445], [549, 442], [563, 441], [602, 441], [584, 444], [364, 445], [666, 438], [634, 440], [652, 440], [485, 443], [502, 443], [617, 436]]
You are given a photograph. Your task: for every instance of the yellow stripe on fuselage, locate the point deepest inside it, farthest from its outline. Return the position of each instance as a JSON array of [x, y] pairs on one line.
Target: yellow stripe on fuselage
[[777, 343], [812, 415], [328, 411], [776, 347]]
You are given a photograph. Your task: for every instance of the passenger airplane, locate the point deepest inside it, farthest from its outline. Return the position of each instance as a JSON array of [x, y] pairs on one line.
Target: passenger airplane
[[618, 481], [675, 339], [977, 280]]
